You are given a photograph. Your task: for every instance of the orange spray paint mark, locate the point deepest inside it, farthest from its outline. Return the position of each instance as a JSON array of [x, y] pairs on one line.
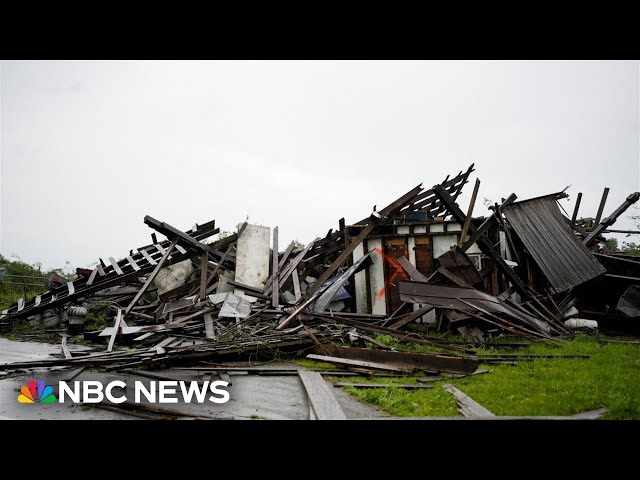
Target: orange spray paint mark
[[397, 271]]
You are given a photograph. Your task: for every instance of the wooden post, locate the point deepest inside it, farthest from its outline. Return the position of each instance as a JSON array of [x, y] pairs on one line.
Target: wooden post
[[603, 200], [296, 284], [467, 220], [275, 299], [204, 263], [575, 209]]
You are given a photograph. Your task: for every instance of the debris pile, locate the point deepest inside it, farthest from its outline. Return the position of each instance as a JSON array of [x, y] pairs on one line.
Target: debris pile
[[417, 270]]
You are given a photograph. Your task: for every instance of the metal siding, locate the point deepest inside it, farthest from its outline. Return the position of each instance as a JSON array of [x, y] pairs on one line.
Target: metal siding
[[563, 259]]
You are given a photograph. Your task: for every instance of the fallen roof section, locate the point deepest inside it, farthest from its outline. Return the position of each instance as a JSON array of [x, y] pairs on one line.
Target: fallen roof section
[[562, 258]]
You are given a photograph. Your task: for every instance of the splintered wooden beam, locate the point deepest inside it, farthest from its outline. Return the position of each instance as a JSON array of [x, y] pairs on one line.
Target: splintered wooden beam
[[152, 276], [275, 300], [467, 405], [467, 220], [373, 221], [323, 403]]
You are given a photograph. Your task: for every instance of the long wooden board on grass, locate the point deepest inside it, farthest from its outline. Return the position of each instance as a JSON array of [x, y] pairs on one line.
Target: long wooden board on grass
[[323, 403]]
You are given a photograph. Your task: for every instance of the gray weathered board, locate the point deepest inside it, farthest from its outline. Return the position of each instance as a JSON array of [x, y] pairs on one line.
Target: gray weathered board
[[323, 403], [358, 363], [467, 405]]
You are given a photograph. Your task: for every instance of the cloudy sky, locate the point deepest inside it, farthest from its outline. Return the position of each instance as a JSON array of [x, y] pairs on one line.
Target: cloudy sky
[[89, 148]]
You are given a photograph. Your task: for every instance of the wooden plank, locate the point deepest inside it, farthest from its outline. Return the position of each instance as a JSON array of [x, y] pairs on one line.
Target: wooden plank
[[575, 209], [324, 403], [410, 317], [454, 278], [287, 321], [181, 249], [65, 348], [148, 257], [133, 263], [151, 277], [275, 299], [285, 255], [92, 277], [116, 268], [204, 266], [467, 221], [143, 336], [384, 385], [431, 362], [163, 343], [414, 274], [116, 327], [172, 232], [296, 285], [591, 414], [208, 326], [358, 363], [468, 406]]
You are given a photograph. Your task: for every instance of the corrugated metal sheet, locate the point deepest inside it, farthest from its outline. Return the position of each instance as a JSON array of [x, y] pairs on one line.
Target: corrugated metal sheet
[[560, 255], [461, 298]]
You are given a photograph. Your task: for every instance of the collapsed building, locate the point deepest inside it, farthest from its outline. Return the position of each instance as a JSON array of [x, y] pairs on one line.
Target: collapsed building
[[417, 265]]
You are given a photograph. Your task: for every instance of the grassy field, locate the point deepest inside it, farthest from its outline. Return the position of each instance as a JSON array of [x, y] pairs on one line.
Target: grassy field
[[609, 378]]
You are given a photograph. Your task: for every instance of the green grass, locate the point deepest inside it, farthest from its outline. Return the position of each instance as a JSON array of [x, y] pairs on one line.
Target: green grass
[[610, 378], [315, 365]]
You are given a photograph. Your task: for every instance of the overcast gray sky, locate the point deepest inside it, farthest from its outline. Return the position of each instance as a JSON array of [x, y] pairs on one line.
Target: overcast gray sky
[[89, 148]]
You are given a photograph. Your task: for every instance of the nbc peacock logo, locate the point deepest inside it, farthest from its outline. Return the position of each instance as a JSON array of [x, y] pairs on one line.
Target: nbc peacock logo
[[36, 392]]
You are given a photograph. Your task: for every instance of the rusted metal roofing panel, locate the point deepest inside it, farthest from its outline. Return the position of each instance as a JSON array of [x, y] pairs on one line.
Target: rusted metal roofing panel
[[562, 258]]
